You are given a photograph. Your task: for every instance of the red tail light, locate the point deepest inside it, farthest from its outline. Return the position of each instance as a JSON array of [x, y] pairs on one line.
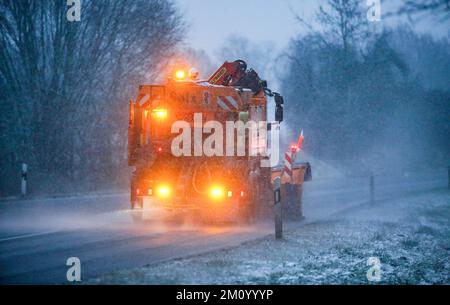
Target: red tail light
[[138, 191], [242, 193]]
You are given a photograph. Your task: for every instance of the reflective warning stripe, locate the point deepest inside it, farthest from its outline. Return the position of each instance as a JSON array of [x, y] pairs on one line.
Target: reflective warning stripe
[[227, 103], [222, 104], [144, 99], [288, 171], [288, 160], [232, 101]]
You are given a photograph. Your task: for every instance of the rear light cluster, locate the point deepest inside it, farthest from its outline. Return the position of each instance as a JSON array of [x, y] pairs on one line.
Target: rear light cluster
[[161, 191], [164, 191], [218, 192]]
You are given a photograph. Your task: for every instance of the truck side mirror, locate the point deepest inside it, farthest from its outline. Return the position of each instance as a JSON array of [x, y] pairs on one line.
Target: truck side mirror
[[308, 172], [279, 113], [278, 99]]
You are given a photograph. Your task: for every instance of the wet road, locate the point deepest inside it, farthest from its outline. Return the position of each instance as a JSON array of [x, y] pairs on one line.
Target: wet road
[[38, 236]]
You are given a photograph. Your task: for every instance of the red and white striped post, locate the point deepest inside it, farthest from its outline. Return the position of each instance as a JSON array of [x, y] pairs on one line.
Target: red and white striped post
[[289, 158], [280, 188]]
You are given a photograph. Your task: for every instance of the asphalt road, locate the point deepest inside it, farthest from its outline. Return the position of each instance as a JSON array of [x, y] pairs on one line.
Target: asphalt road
[[38, 236]]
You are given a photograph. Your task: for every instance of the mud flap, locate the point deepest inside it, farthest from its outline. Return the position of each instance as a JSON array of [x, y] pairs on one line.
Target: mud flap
[[308, 172]]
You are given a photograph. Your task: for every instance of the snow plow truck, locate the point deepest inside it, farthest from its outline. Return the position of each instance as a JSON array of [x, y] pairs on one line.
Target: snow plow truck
[[186, 160]]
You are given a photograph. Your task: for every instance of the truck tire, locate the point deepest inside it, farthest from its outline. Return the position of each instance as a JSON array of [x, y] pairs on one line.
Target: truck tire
[[245, 211], [137, 203]]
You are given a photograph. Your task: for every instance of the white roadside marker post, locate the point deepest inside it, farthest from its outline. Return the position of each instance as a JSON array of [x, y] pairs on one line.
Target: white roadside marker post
[[278, 208], [372, 189], [24, 179]]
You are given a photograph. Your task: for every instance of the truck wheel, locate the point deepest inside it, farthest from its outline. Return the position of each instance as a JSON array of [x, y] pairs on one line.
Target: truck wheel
[[174, 218], [137, 203], [248, 207]]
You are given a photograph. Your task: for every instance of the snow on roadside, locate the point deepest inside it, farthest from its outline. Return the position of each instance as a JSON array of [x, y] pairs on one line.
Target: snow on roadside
[[410, 236]]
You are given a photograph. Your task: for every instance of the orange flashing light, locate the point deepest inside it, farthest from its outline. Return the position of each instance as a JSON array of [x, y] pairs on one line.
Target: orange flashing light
[[160, 114], [180, 75]]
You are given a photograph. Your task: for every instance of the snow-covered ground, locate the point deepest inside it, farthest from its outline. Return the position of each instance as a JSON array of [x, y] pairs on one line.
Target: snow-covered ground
[[410, 236]]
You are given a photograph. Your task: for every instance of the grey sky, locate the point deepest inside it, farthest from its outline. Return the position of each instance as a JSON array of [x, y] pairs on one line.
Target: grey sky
[[260, 21], [210, 21]]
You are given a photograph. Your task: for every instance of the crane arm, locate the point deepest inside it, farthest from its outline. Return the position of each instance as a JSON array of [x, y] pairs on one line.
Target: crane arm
[[236, 74]]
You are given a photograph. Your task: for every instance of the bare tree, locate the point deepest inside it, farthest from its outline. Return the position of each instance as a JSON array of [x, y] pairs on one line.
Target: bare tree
[[341, 82], [65, 85], [438, 8], [343, 21]]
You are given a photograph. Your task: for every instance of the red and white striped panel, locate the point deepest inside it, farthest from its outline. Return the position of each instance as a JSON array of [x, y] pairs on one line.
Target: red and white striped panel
[[227, 103], [144, 99], [288, 161]]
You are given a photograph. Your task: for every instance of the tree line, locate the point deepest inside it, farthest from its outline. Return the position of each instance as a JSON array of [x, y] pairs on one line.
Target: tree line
[[370, 98], [65, 87]]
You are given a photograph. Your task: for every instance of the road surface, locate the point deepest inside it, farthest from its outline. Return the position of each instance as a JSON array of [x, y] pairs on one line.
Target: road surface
[[38, 236]]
